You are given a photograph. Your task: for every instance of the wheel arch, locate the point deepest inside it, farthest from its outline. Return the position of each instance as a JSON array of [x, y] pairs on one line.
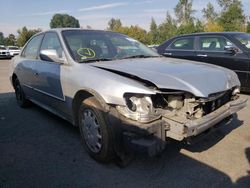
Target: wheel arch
[[82, 95], [13, 78]]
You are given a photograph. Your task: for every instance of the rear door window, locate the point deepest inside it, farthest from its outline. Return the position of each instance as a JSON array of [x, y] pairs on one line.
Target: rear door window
[[214, 43], [31, 49]]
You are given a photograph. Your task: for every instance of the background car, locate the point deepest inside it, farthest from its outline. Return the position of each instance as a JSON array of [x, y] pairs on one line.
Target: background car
[[4, 53], [227, 49], [13, 50]]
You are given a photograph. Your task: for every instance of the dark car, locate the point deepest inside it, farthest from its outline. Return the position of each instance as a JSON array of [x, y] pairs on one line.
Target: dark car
[[227, 49]]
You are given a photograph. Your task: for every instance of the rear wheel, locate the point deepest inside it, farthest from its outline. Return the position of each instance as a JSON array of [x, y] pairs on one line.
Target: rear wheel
[[95, 132], [20, 96]]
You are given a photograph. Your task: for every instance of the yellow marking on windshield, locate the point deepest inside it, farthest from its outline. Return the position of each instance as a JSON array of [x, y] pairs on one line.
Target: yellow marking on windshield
[[86, 53]]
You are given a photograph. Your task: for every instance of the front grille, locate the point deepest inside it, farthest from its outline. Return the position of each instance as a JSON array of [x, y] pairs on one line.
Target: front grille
[[213, 105]]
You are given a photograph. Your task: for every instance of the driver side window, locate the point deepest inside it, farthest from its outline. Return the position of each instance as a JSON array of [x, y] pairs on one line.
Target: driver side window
[[186, 43], [51, 41]]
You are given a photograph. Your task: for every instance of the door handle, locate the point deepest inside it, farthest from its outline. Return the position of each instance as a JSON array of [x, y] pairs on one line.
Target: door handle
[[167, 53], [202, 55], [35, 74]]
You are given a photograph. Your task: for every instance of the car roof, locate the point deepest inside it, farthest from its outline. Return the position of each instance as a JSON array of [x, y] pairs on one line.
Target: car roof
[[75, 29], [210, 33]]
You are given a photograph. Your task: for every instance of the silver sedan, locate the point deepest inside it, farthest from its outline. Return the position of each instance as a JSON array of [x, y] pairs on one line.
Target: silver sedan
[[122, 95]]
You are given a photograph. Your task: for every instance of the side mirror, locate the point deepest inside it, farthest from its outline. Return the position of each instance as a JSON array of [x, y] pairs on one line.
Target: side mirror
[[51, 55], [231, 49]]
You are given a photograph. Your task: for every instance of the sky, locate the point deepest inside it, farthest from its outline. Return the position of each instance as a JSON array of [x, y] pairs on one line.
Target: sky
[[33, 14]]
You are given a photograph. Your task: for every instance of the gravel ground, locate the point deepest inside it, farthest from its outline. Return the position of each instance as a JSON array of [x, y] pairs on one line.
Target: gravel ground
[[38, 149]]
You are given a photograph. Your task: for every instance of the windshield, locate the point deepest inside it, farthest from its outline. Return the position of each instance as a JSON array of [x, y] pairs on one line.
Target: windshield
[[86, 46], [2, 48], [244, 39]]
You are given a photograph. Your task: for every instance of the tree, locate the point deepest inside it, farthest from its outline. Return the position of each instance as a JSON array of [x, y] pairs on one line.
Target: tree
[[211, 17], [132, 31], [212, 26], [64, 20], [209, 13], [184, 11], [232, 18], [1, 38], [10, 40], [167, 29], [191, 27], [153, 25], [199, 26], [114, 24], [248, 27], [224, 4], [25, 34], [138, 33], [154, 33]]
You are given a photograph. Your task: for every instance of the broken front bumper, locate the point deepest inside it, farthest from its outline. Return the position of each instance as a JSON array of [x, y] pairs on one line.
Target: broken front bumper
[[151, 137], [179, 131]]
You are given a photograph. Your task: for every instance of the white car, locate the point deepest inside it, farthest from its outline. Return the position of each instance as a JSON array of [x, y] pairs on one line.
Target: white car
[[14, 50], [4, 53]]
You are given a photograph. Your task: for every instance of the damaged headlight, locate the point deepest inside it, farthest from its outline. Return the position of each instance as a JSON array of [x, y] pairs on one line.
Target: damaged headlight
[[138, 108], [236, 91]]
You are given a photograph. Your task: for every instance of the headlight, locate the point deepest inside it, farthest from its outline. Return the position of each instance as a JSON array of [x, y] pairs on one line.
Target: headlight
[[138, 108], [236, 91]]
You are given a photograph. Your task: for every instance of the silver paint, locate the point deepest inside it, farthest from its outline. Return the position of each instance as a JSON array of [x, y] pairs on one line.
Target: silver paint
[[192, 77]]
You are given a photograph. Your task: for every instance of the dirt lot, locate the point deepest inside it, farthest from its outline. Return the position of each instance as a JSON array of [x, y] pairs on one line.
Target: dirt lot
[[38, 149]]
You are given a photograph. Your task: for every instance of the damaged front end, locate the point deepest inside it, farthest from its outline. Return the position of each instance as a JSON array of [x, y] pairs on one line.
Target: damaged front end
[[177, 114]]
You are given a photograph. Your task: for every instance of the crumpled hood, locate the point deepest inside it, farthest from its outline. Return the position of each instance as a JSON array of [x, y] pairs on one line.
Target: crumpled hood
[[169, 73]]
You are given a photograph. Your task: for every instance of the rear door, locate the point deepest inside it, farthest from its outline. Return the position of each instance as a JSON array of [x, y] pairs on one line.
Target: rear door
[[28, 59], [181, 48], [211, 50]]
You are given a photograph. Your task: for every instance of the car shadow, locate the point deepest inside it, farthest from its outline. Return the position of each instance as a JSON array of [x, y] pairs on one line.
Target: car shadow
[[245, 181], [38, 149]]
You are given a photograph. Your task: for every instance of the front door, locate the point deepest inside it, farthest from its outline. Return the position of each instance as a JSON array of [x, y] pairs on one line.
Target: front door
[[48, 85]]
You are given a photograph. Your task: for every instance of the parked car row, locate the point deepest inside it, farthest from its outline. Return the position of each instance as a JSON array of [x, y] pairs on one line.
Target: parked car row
[[121, 94], [9, 51], [227, 49]]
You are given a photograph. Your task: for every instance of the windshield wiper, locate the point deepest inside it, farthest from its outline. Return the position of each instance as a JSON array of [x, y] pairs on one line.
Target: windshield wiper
[[95, 60], [139, 56]]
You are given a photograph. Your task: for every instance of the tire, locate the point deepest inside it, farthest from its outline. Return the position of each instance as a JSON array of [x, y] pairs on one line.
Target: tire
[[20, 95], [95, 131]]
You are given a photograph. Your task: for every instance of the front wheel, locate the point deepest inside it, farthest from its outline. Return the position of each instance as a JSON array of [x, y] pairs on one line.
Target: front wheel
[[20, 96], [95, 132]]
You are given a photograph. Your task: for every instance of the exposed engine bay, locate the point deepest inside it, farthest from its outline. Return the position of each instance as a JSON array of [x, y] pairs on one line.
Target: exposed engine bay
[[182, 107]]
